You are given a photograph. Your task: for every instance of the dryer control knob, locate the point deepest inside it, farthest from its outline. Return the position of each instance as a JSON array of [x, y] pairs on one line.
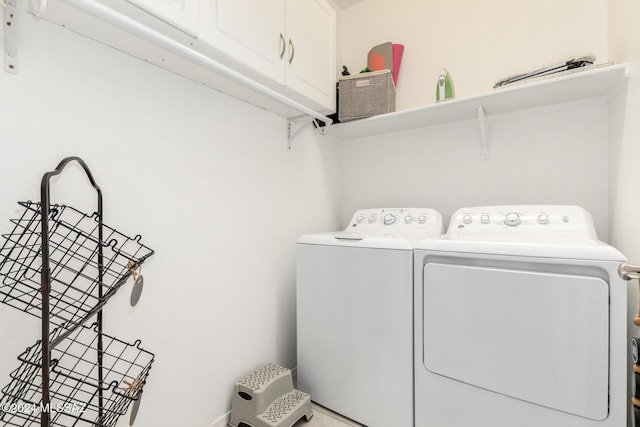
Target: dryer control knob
[[467, 219], [512, 219], [485, 219], [360, 219], [372, 219], [422, 219], [408, 219], [389, 219], [543, 219]]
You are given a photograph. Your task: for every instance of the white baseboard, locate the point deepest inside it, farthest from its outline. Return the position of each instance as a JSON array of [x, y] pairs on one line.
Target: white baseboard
[[223, 421]]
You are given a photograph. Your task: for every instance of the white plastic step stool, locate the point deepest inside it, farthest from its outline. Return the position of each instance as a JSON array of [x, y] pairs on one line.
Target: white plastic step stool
[[266, 398]]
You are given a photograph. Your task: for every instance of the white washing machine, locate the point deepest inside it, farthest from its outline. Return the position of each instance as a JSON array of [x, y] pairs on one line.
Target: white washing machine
[[355, 314], [520, 320]]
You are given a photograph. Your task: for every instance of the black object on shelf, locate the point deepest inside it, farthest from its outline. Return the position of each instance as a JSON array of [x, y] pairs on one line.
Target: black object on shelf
[[62, 266], [334, 117]]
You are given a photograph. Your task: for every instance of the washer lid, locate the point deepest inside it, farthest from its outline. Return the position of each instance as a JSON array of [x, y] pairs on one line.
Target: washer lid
[[387, 228], [401, 222], [380, 241]]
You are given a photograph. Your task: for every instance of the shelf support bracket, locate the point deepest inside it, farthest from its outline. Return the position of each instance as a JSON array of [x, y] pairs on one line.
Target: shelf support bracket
[[10, 35], [297, 125], [484, 141]]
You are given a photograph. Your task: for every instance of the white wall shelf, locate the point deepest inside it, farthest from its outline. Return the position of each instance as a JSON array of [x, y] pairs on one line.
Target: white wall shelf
[[597, 83]]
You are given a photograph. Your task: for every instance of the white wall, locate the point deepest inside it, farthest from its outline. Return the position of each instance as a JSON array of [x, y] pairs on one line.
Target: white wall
[[554, 157], [209, 183], [478, 42], [624, 46]]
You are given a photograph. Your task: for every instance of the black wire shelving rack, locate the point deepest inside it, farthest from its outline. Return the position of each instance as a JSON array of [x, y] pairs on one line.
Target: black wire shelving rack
[[73, 258], [74, 385], [62, 265]]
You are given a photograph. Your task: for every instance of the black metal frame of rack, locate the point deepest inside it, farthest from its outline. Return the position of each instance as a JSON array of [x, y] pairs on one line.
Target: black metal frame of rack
[[80, 269]]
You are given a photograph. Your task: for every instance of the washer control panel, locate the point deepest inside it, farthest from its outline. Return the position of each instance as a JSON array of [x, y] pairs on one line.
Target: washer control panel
[[396, 221], [561, 220]]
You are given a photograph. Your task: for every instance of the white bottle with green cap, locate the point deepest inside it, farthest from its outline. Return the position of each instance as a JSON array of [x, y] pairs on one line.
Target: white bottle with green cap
[[444, 88]]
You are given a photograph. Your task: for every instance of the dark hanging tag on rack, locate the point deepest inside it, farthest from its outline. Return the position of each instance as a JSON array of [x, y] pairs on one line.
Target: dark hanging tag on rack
[[136, 292], [138, 284], [134, 391], [134, 409]]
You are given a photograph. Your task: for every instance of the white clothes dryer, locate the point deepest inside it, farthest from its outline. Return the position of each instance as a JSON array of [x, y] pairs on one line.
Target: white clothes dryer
[[520, 320], [355, 314]]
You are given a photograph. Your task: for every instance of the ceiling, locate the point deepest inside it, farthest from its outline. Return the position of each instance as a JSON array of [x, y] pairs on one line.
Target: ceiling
[[343, 4]]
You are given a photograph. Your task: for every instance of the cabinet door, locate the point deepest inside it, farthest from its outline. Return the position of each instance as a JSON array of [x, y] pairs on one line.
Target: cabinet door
[[311, 50], [179, 13], [251, 32]]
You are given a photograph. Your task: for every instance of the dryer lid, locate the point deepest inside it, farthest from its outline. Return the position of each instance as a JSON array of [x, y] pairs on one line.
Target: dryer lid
[[576, 249], [527, 230]]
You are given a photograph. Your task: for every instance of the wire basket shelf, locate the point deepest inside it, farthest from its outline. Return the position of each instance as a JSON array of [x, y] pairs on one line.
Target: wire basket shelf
[[79, 394], [78, 289]]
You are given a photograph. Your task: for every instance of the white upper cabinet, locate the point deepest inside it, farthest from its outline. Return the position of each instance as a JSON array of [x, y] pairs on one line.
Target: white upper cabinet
[[311, 56], [291, 42], [278, 55], [182, 14], [249, 31]]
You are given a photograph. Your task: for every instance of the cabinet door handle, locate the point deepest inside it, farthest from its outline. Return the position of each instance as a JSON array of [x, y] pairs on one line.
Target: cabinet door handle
[[293, 51], [284, 45]]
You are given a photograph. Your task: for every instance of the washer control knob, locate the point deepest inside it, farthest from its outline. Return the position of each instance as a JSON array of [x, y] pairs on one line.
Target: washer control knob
[[422, 219], [543, 219], [389, 219], [372, 219], [360, 219], [467, 219], [408, 219], [512, 219], [485, 219]]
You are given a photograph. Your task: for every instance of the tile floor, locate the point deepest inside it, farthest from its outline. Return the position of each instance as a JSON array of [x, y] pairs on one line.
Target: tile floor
[[322, 417]]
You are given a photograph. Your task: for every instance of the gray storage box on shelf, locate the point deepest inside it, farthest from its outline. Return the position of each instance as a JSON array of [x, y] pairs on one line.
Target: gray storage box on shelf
[[365, 95]]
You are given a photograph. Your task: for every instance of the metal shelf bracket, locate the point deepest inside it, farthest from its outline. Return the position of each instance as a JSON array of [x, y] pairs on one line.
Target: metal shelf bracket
[[10, 35], [484, 141], [297, 125]]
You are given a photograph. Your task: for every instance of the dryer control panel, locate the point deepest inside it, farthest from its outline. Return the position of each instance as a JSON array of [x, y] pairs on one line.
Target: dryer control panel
[[396, 221], [523, 220]]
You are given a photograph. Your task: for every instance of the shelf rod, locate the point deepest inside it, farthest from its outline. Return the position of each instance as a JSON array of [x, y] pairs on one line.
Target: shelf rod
[[484, 141], [128, 24]]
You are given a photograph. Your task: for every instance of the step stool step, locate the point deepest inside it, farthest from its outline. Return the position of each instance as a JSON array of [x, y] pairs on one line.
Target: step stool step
[[262, 377], [266, 398], [287, 409]]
